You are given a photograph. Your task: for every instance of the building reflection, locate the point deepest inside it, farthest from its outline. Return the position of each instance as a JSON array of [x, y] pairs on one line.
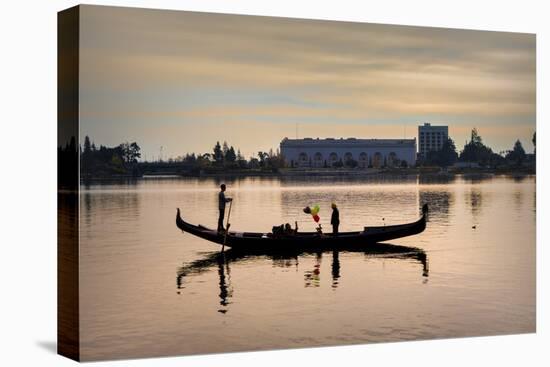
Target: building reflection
[[477, 178], [439, 202], [221, 261], [343, 180], [436, 179]]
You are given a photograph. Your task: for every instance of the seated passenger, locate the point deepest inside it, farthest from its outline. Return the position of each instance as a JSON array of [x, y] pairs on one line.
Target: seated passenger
[[289, 231], [278, 230], [284, 230]]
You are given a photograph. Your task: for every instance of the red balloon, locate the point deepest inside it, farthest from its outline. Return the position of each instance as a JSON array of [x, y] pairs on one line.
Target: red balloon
[[316, 218]]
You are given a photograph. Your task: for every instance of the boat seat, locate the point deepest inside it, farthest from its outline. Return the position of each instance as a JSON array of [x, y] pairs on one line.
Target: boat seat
[[252, 234]]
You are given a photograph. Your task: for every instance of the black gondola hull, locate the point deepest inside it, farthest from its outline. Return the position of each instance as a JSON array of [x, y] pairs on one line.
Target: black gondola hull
[[261, 242]]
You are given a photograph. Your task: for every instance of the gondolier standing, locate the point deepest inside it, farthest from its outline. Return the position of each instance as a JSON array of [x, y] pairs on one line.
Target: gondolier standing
[[335, 218], [221, 203]]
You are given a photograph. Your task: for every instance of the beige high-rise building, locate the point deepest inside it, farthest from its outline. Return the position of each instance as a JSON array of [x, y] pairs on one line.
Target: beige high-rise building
[[431, 138]]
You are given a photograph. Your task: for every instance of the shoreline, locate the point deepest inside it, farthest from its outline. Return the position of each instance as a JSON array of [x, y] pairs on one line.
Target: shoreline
[[354, 173]]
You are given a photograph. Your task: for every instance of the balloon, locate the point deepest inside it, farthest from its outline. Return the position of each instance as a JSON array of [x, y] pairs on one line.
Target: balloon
[[307, 210], [316, 218], [315, 210]]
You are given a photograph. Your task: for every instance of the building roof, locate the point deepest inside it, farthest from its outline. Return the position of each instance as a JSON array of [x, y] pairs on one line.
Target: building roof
[[433, 127], [348, 142]]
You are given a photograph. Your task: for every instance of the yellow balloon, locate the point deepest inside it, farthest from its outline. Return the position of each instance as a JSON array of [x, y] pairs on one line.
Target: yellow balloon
[[315, 210]]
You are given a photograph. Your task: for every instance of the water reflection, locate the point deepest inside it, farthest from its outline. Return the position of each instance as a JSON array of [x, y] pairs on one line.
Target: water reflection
[[474, 200], [534, 201], [358, 207], [119, 183], [518, 199], [129, 262], [312, 277], [343, 180], [436, 179], [519, 178], [68, 273], [439, 202], [476, 178], [335, 268], [105, 203], [226, 291]]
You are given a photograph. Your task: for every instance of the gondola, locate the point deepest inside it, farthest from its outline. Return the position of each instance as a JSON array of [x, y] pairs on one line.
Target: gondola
[[260, 242]]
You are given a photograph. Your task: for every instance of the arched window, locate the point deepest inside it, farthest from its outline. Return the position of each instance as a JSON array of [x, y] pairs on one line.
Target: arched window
[[377, 160], [303, 159], [348, 157], [318, 160], [332, 158], [392, 159], [363, 160]]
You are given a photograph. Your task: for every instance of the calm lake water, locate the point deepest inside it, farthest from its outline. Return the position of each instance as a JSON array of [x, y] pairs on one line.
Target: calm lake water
[[147, 289]]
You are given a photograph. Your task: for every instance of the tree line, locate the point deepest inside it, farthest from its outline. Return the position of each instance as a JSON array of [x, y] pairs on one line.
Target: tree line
[[475, 151], [226, 157], [124, 159], [105, 161]]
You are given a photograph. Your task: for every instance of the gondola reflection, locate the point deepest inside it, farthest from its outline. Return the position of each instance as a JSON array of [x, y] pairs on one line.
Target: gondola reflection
[[226, 291], [312, 277], [335, 268]]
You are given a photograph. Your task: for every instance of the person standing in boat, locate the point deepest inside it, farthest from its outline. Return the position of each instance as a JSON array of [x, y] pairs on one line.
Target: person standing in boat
[[335, 218], [221, 204]]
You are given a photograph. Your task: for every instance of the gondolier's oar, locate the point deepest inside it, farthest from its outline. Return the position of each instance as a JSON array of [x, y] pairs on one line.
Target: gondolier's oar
[[227, 225]]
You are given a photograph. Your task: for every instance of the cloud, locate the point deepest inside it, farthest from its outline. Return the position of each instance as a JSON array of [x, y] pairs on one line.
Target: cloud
[[139, 66]]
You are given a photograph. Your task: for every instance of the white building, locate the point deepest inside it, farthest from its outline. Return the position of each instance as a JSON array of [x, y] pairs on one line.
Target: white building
[[310, 152], [431, 138]]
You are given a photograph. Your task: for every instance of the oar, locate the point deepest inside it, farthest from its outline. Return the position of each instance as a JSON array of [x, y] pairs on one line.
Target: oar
[[227, 225]]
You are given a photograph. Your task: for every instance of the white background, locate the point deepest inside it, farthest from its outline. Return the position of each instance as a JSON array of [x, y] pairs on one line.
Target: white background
[[28, 181]]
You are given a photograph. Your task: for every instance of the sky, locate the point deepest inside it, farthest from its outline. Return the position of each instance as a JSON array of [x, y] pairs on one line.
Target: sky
[[176, 82]]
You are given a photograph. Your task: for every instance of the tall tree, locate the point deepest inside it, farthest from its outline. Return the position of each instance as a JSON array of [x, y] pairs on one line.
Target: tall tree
[[444, 157], [134, 152], [476, 151], [130, 152], [263, 158], [475, 138], [218, 154], [87, 145], [517, 154], [230, 155], [225, 148], [86, 158]]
